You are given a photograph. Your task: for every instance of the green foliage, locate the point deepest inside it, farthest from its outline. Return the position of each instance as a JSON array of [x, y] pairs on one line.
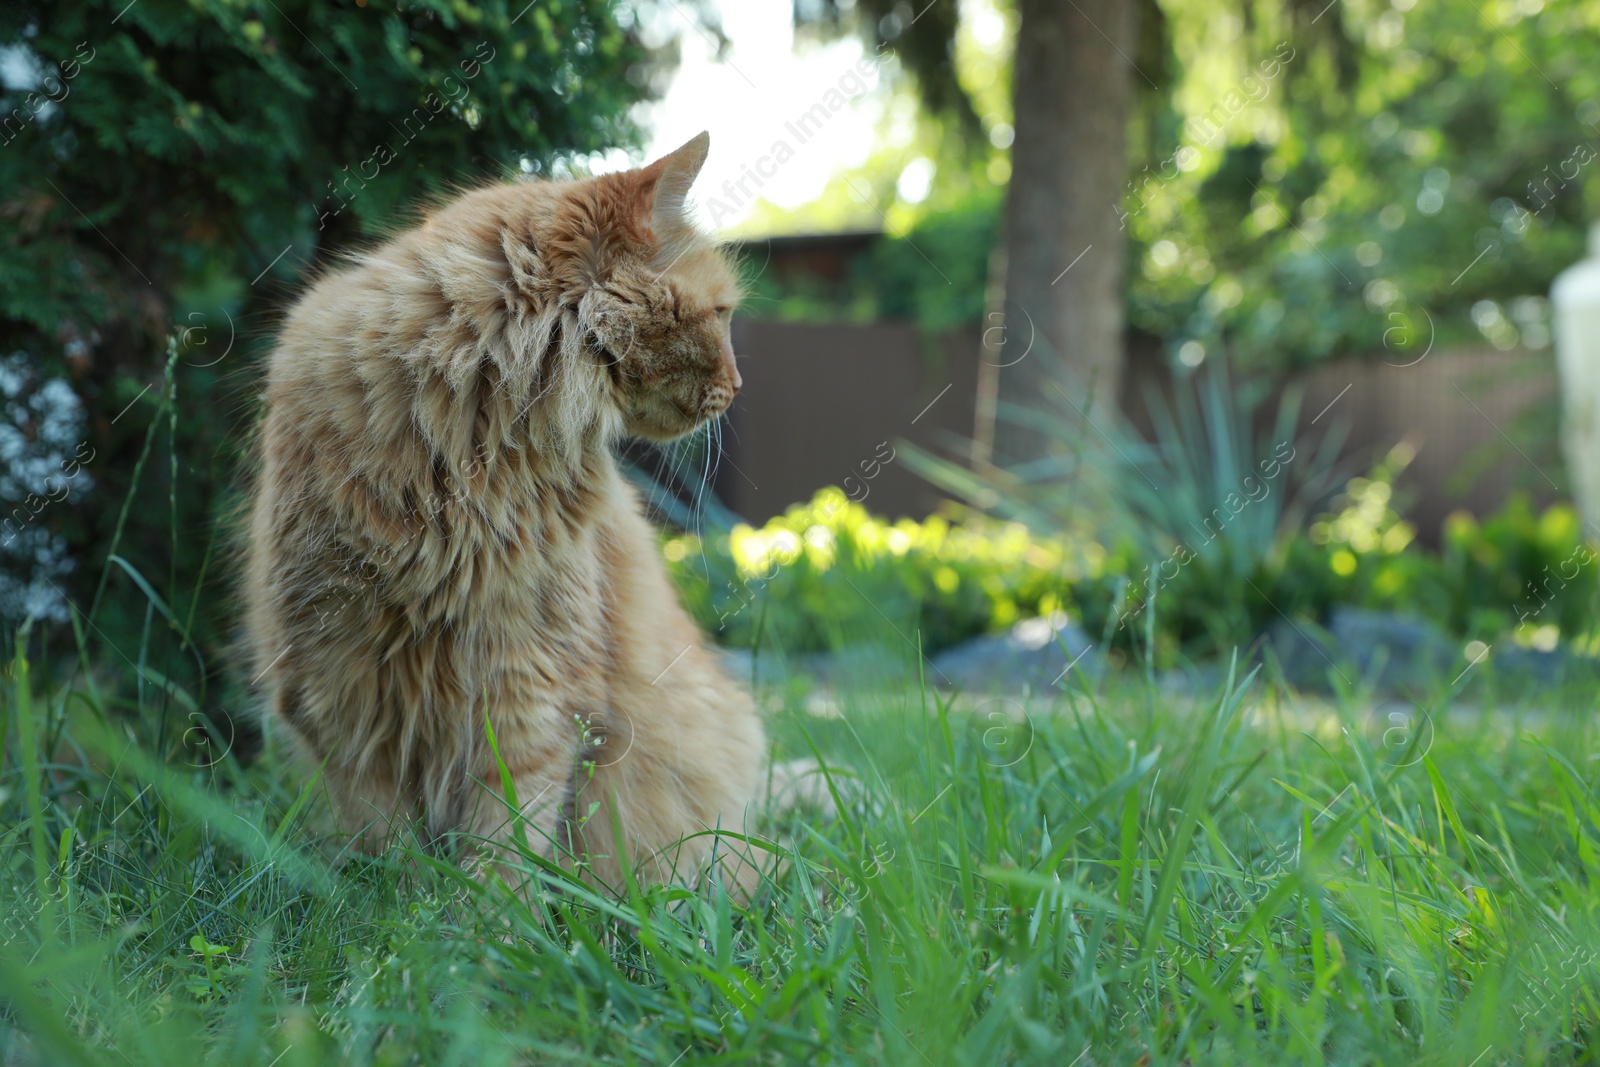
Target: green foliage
[[826, 574], [935, 274], [1535, 573], [1207, 535], [1210, 505], [1198, 524], [1387, 179], [1515, 575], [1530, 577], [923, 45], [1402, 198]]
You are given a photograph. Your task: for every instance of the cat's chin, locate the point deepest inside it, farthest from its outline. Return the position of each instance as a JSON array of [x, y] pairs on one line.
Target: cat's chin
[[665, 422], [664, 435], [662, 429]]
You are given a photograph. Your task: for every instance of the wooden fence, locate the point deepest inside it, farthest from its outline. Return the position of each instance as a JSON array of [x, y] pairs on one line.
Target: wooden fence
[[825, 402]]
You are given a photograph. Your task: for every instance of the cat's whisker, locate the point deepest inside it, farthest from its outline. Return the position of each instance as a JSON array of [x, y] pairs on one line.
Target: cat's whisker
[[733, 430], [725, 424], [705, 476], [716, 468], [712, 428], [659, 490]]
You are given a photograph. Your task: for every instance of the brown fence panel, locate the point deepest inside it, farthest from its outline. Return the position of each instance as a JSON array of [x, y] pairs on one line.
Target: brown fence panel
[[821, 400]]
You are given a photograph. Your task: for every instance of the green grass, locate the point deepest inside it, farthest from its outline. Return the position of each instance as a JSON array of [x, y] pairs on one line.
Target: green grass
[[1120, 877]]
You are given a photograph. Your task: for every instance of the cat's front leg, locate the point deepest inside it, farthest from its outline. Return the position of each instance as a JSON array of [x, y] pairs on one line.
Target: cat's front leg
[[540, 753], [670, 793]]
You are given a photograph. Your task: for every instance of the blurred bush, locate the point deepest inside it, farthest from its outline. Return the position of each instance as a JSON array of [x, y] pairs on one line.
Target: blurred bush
[[827, 574]]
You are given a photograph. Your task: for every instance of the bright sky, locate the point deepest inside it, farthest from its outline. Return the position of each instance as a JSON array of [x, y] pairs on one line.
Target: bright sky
[[747, 99]]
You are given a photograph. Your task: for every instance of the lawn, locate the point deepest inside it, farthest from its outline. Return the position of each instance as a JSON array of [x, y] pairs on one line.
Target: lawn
[[1113, 874]]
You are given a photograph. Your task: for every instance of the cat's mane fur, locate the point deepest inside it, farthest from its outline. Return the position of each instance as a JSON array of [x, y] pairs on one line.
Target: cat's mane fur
[[440, 535]]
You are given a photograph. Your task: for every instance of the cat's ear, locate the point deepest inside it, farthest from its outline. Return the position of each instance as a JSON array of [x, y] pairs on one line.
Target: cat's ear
[[668, 179]]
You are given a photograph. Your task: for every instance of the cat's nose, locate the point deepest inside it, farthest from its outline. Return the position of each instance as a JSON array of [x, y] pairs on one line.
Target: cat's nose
[[737, 381]]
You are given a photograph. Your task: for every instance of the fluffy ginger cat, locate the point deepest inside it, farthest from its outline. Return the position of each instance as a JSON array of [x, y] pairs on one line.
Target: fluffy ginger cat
[[440, 535]]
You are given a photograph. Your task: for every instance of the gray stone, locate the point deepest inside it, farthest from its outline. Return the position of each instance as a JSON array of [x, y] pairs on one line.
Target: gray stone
[[1199, 679], [859, 666], [1395, 652], [741, 665], [862, 666], [1033, 655], [1531, 668]]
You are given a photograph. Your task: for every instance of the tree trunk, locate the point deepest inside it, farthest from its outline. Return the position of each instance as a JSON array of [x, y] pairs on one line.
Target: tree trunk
[[1065, 249]]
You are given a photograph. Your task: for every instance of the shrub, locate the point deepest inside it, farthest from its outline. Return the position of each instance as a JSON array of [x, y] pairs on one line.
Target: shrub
[[827, 573]]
